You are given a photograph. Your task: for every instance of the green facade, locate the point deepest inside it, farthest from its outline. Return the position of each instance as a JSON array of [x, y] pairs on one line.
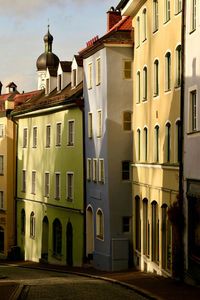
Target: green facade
[[51, 241]]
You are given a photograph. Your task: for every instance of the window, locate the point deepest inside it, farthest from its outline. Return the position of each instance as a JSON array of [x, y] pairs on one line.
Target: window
[[156, 78], [57, 237], [94, 169], [25, 137], [168, 141], [99, 225], [127, 69], [48, 136], [126, 170], [145, 227], [98, 71], [127, 121], [89, 76], [1, 200], [145, 143], [89, 169], [74, 78], [47, 86], [138, 144], [178, 66], [57, 186], [1, 240], [58, 134], [138, 87], [144, 17], [101, 170], [137, 223], [167, 10], [138, 32], [156, 143], [34, 137], [1, 164], [193, 111], [59, 82], [126, 224], [167, 71], [70, 187], [178, 6], [46, 184], [23, 221], [155, 15], [32, 225], [193, 15], [155, 232], [99, 123], [71, 133], [178, 141], [1, 130], [145, 83], [33, 182], [23, 181], [89, 125]]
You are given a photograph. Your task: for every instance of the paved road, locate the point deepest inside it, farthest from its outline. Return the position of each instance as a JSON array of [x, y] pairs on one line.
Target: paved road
[[43, 285]]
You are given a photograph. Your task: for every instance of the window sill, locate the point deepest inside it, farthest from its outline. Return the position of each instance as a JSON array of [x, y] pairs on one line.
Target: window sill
[[178, 12], [34, 147], [100, 237], [167, 91], [192, 30], [98, 83], [57, 256], [144, 100], [47, 147], [58, 145], [32, 237], [69, 199], [70, 144], [57, 199], [166, 21], [143, 41], [193, 132], [155, 31], [156, 96]]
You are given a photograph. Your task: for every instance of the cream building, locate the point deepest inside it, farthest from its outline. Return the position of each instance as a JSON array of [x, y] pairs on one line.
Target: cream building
[[156, 128]]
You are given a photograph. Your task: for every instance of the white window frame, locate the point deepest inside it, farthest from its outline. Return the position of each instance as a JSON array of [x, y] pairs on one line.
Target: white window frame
[[99, 234], [137, 31], [101, 171], [167, 10], [70, 198], [2, 129], [48, 137], [138, 144], [57, 196], [70, 135], [89, 169], [24, 181], [138, 87], [192, 90], [95, 169], [168, 71], [2, 200], [90, 125], [58, 134], [46, 184], [98, 71], [178, 6], [193, 15], [35, 136], [99, 123], [33, 182], [89, 76], [144, 25], [156, 77], [155, 16], [25, 137]]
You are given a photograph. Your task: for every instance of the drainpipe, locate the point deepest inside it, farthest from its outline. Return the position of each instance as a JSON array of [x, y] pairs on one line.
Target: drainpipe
[[181, 195]]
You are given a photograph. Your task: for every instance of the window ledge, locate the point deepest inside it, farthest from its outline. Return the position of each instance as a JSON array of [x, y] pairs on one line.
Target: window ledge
[[70, 144], [69, 199], [57, 256], [193, 132], [100, 237], [155, 31], [178, 12], [166, 21], [57, 199], [192, 30]]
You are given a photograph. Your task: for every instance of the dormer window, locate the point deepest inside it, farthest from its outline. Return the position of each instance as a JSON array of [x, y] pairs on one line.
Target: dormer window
[[59, 82], [74, 77]]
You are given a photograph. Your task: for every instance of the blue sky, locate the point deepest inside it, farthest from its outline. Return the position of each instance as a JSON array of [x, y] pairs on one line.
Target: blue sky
[[23, 23]]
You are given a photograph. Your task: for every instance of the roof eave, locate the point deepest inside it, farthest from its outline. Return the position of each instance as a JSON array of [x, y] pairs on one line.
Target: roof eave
[[131, 7]]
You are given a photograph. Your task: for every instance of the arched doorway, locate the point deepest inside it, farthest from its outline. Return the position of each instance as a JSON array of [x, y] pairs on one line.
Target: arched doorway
[[1, 240], [89, 232], [69, 246], [45, 238]]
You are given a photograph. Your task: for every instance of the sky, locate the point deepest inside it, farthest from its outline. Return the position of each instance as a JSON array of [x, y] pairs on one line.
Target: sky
[[23, 24]]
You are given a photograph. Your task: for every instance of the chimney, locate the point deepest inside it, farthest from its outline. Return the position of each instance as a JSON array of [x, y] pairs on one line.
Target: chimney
[[113, 17], [0, 87]]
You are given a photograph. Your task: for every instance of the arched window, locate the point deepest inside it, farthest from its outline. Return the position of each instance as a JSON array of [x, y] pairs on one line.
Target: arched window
[[155, 15], [156, 78], [156, 143], [23, 221], [145, 143], [167, 71], [168, 141], [145, 227], [138, 87], [145, 83], [155, 232], [138, 144], [144, 29], [178, 66], [138, 31], [178, 141], [32, 225], [100, 224], [137, 223], [1, 240], [57, 237]]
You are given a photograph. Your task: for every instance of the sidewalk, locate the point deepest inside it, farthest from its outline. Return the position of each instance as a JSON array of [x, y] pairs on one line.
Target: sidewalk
[[153, 286]]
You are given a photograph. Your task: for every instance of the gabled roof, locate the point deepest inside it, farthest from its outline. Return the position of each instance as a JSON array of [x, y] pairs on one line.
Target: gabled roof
[[79, 60], [53, 71], [21, 98], [119, 33], [66, 66]]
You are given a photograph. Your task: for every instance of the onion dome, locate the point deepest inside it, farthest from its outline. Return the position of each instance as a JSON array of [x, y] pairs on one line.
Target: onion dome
[[48, 58]]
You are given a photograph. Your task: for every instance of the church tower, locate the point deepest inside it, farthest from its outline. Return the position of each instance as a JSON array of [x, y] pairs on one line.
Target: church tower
[[45, 60]]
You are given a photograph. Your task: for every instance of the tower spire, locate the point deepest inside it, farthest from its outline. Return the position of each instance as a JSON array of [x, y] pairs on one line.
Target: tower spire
[[48, 40]]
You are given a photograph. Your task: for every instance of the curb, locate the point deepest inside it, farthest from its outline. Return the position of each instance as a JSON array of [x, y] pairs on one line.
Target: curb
[[136, 289]]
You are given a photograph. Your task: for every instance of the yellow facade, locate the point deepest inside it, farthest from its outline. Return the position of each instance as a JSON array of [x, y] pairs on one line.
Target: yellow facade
[[155, 159], [7, 185]]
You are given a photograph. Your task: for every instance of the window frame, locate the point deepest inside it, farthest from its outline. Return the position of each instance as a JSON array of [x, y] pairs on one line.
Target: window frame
[[71, 135], [90, 76], [144, 25], [2, 130], [99, 224], [58, 134], [178, 65], [156, 143], [89, 169], [46, 184], [90, 125], [193, 16], [168, 72], [2, 165], [155, 16], [127, 124], [126, 223], [138, 87], [70, 197], [48, 138], [2, 203], [137, 32], [32, 225], [25, 138], [35, 137], [156, 78], [138, 144], [167, 11], [145, 84], [178, 6], [145, 144], [126, 70], [125, 171], [23, 181], [95, 170], [98, 71], [101, 171], [99, 123], [57, 189], [33, 182]]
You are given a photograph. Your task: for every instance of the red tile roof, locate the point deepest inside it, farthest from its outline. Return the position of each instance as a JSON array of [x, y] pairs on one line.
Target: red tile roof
[[21, 98]]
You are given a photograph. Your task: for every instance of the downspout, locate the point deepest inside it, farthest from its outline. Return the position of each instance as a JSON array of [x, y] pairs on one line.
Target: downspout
[[181, 195]]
